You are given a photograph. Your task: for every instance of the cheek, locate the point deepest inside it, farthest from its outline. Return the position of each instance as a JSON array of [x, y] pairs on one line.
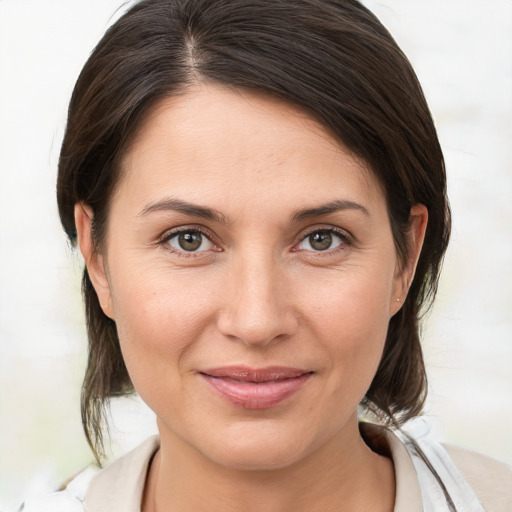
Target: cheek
[[159, 318], [350, 316], [351, 303]]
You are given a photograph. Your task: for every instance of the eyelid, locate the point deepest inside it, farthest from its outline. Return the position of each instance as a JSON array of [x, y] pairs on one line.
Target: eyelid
[[345, 236], [171, 233]]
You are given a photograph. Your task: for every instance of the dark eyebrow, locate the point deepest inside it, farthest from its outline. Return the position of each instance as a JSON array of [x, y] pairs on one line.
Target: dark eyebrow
[[325, 209], [183, 207]]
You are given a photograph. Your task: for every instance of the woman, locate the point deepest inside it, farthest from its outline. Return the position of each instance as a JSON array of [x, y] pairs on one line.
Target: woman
[[259, 195]]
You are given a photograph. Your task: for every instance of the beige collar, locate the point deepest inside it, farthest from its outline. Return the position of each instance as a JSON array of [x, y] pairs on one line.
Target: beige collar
[[119, 486], [408, 493]]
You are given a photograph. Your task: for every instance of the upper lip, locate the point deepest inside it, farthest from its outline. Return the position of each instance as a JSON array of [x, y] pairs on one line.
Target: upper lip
[[247, 374]]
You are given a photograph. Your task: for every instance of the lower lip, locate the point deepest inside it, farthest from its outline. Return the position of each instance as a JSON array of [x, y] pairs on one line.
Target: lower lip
[[255, 395]]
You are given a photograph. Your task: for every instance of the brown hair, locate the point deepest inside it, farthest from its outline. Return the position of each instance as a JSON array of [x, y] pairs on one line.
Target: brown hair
[[332, 58]]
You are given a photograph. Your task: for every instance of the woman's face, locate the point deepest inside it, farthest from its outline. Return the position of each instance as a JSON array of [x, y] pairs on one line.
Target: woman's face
[[251, 272]]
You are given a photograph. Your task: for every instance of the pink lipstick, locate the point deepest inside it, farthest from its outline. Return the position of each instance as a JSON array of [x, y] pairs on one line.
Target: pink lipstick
[[251, 388]]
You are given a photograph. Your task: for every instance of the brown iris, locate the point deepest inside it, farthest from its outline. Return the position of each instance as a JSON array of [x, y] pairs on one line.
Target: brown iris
[[320, 240], [190, 240]]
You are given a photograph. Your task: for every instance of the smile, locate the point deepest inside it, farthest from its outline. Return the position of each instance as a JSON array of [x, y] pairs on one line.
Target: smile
[[249, 388]]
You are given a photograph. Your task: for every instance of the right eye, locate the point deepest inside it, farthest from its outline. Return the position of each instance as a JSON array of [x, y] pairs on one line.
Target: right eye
[[189, 240]]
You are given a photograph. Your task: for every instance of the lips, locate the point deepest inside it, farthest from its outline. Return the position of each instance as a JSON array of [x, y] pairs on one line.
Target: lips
[[251, 388]]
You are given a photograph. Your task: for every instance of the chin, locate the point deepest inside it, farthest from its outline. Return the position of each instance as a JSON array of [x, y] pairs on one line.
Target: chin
[[259, 448], [257, 458]]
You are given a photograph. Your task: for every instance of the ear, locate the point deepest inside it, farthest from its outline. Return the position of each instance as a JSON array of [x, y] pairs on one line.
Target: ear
[[94, 261], [418, 219]]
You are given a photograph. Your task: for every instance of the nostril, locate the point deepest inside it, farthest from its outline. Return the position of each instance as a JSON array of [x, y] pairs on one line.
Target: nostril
[[272, 329]]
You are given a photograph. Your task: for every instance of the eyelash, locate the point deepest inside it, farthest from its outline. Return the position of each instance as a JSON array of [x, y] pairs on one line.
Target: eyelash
[[343, 236], [169, 235]]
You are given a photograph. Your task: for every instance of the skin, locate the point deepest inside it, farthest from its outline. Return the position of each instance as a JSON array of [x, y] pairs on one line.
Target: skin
[[257, 293]]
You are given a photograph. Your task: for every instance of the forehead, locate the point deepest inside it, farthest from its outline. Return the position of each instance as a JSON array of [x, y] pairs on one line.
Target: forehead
[[212, 140]]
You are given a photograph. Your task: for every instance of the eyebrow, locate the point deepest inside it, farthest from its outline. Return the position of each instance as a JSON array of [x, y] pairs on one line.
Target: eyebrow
[[183, 207], [325, 209], [195, 210]]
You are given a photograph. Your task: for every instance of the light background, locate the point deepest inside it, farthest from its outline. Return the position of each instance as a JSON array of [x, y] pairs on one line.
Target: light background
[[462, 52]]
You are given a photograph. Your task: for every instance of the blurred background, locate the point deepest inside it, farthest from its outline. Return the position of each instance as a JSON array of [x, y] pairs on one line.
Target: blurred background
[[462, 52]]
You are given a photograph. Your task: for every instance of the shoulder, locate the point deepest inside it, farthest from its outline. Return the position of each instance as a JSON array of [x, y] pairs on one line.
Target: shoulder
[[116, 488], [491, 480], [446, 475], [68, 500], [56, 502]]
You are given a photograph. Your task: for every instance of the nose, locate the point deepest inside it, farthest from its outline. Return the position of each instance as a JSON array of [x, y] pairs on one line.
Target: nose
[[258, 307]]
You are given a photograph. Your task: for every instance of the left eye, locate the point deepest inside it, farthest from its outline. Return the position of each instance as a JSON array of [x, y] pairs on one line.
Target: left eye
[[190, 241], [321, 240]]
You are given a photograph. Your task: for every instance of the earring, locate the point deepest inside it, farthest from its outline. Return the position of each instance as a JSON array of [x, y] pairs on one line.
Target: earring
[[398, 299]]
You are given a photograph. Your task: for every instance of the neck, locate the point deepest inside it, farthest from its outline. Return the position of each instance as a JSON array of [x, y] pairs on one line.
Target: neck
[[344, 474]]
